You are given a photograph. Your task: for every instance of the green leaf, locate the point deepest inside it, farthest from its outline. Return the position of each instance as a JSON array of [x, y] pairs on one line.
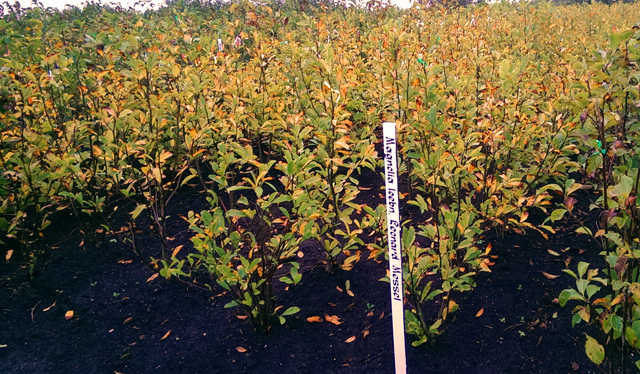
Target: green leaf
[[582, 268], [291, 310], [568, 294], [136, 212], [584, 230], [594, 350]]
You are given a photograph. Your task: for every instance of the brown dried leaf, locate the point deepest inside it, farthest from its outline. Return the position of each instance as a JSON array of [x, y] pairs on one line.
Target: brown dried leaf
[[241, 317], [569, 203], [314, 319], [550, 276], [333, 319], [49, 307], [574, 366], [365, 333], [176, 250], [166, 335], [127, 320], [350, 293], [351, 339], [154, 276], [68, 315], [8, 255], [125, 262], [241, 349], [480, 313]]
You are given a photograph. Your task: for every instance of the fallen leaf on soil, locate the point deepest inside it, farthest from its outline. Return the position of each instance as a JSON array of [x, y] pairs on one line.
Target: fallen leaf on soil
[[241, 317], [125, 262], [176, 250], [314, 319], [241, 349], [127, 320], [68, 315], [300, 254], [339, 289], [331, 304], [3, 346], [365, 333], [574, 366], [382, 315], [154, 276], [9, 254], [350, 293], [49, 307], [351, 339], [333, 319], [166, 335], [550, 276], [370, 314], [553, 253], [480, 313], [567, 261]]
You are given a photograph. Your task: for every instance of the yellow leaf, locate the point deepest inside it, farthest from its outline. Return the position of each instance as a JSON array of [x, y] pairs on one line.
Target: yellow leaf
[[314, 319], [166, 335], [604, 301], [9, 254], [165, 155], [342, 142], [480, 313], [241, 349], [452, 305], [68, 315], [351, 339], [157, 175], [486, 251]]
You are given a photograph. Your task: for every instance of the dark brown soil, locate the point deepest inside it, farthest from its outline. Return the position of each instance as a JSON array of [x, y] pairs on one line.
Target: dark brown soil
[[124, 323]]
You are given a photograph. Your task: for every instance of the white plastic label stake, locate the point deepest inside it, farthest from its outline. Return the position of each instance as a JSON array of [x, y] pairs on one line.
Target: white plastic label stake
[[395, 243]]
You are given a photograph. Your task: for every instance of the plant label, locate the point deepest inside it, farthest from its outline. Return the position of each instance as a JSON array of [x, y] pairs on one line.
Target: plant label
[[395, 243]]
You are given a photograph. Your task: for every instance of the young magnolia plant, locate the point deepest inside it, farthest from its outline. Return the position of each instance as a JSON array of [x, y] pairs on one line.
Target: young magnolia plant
[[246, 248]]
